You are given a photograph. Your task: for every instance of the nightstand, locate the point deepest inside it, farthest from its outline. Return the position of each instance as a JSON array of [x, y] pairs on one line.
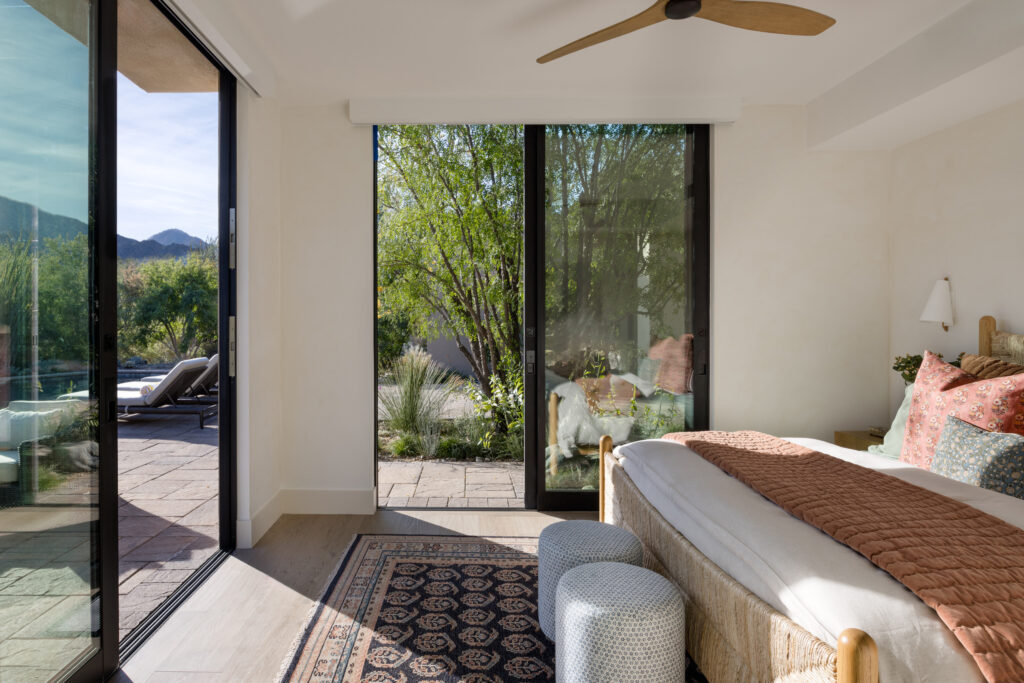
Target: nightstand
[[857, 440]]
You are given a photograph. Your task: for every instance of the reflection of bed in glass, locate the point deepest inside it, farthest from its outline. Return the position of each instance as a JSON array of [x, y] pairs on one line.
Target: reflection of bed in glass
[[651, 398]]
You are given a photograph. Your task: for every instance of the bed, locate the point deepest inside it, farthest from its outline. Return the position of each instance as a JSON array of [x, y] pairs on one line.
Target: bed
[[760, 610]]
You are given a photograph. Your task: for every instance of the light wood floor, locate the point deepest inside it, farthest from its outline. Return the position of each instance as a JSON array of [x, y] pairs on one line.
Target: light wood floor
[[239, 625]]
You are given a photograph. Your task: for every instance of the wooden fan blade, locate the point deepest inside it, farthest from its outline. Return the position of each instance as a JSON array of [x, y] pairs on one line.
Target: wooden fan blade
[[768, 17], [649, 16]]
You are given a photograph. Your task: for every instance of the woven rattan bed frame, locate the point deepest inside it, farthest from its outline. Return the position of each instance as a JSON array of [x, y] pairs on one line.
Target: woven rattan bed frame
[[731, 634]]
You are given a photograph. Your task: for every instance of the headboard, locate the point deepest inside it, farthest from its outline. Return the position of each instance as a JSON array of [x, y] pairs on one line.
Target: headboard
[[986, 328], [1000, 344]]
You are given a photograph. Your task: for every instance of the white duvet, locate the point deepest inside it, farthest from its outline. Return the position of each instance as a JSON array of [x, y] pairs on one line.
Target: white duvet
[[801, 572]]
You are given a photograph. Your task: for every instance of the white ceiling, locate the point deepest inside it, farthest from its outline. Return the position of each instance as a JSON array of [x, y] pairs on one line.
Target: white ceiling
[[330, 51]]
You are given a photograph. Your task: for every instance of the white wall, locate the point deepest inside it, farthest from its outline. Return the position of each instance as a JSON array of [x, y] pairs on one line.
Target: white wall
[[261, 434], [327, 312], [958, 211], [799, 314], [800, 297]]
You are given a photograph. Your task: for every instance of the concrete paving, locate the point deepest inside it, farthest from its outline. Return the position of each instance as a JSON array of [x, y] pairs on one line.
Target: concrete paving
[[437, 484]]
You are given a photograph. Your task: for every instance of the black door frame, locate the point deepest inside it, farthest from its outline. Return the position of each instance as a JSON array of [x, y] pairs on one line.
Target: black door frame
[[536, 421], [103, 299]]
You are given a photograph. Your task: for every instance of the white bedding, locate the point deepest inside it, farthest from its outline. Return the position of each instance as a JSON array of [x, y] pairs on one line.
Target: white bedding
[[801, 572]]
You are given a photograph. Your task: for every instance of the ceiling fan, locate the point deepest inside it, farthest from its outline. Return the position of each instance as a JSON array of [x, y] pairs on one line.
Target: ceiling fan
[[768, 17]]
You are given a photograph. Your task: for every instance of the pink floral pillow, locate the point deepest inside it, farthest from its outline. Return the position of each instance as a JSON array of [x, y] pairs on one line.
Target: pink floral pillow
[[996, 405]]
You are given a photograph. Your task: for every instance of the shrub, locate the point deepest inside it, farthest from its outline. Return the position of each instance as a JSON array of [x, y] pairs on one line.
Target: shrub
[[453, 448], [575, 477], [505, 406], [405, 446], [393, 330], [422, 388]]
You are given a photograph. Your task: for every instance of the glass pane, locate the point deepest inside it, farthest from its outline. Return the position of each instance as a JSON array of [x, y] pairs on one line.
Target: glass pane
[[168, 187], [49, 572], [618, 342], [450, 263]]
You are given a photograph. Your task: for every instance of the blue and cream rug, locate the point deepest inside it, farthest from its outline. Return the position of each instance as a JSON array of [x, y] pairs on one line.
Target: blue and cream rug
[[413, 609]]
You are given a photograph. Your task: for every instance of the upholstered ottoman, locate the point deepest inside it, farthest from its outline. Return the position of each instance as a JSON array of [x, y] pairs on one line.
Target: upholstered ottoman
[[617, 623], [564, 545]]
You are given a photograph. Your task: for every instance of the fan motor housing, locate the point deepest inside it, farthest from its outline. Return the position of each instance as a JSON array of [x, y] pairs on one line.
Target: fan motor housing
[[681, 9]]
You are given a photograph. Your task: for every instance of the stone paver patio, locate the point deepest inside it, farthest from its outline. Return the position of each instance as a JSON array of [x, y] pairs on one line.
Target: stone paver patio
[[450, 484], [168, 519], [168, 526]]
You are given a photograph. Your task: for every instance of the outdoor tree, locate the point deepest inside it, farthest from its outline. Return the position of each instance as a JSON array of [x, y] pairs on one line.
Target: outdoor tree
[[64, 321], [170, 303], [450, 241], [617, 236]]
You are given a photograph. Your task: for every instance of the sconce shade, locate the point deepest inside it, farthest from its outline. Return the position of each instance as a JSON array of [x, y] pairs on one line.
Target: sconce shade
[[939, 308]]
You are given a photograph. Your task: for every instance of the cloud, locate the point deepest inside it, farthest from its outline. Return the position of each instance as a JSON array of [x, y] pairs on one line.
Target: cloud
[[167, 162]]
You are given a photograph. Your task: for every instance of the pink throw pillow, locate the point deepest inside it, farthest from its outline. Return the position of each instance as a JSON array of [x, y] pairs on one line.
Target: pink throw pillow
[[675, 372], [996, 405]]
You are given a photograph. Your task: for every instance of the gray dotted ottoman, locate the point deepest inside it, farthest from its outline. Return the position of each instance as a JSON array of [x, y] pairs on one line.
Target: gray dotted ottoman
[[564, 545], [617, 623]]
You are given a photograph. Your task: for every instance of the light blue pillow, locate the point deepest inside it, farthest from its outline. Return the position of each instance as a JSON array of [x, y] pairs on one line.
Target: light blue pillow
[[892, 444], [991, 460]]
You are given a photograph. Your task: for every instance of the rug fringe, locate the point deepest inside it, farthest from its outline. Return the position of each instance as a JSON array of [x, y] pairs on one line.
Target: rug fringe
[[301, 635]]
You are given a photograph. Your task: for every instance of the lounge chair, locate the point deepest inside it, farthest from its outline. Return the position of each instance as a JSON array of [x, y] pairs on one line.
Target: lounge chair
[[203, 390], [168, 396]]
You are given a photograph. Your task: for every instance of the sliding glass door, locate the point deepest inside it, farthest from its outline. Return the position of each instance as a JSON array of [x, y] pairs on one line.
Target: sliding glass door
[[57, 546], [568, 267], [621, 294]]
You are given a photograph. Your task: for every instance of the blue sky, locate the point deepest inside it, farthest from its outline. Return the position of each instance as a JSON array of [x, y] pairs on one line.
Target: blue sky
[[167, 142], [167, 169]]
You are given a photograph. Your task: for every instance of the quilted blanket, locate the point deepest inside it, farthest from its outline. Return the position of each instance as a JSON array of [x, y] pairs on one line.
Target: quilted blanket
[[965, 564]]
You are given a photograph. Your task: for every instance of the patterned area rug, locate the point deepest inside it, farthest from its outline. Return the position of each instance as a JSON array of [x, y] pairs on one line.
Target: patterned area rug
[[413, 609]]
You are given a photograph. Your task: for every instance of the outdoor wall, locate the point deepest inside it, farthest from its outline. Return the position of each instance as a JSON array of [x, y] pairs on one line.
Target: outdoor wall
[[799, 308], [260, 419], [327, 297], [957, 212]]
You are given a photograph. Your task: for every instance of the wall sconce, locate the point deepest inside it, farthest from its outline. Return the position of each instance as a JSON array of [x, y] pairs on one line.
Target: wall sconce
[[939, 308]]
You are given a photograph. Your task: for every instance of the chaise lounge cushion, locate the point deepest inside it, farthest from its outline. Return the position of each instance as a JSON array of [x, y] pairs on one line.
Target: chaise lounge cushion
[[17, 427]]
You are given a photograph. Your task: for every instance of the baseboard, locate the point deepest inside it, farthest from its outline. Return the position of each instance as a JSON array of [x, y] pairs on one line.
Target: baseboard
[[328, 501], [248, 532]]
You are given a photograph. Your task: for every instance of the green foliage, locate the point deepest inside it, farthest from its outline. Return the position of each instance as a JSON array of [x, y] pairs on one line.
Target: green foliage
[[16, 296], [503, 408], [450, 240], [63, 290], [575, 477], [49, 478], [454, 448], [908, 365], [406, 446], [654, 424], [170, 304], [393, 331], [610, 256], [64, 324], [421, 391]]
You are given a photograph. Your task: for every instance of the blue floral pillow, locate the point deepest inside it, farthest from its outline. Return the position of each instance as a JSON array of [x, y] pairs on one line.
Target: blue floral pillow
[[992, 460]]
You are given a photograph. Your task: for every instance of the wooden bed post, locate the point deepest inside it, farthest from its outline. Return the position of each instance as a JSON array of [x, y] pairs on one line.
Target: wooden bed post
[[986, 328], [857, 657], [604, 447], [553, 432]]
